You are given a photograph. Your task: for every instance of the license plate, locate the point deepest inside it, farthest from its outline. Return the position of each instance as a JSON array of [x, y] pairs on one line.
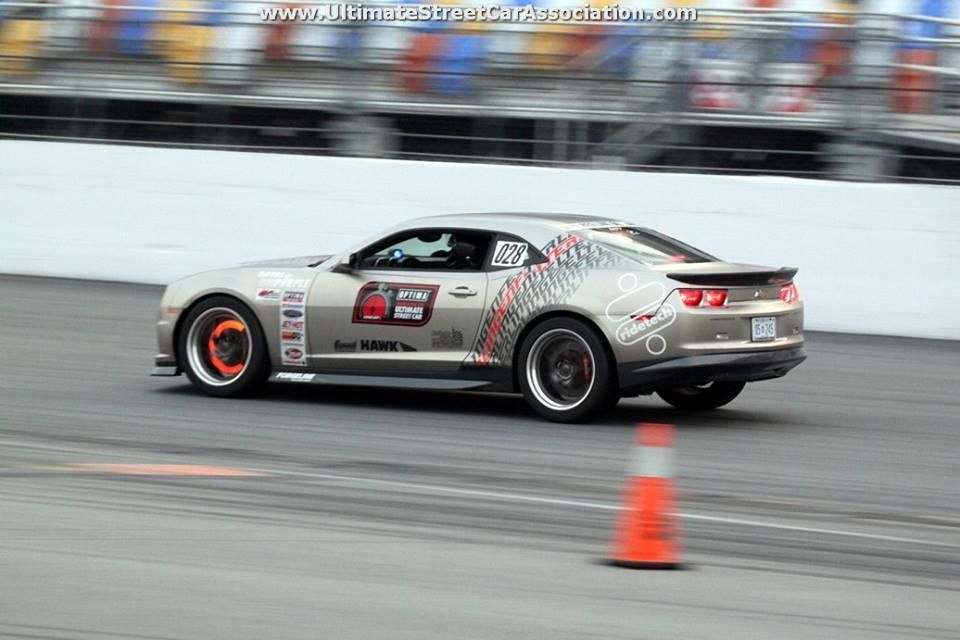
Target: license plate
[[763, 329]]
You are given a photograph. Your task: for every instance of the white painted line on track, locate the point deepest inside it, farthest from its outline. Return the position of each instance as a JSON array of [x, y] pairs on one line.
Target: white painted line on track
[[518, 497]]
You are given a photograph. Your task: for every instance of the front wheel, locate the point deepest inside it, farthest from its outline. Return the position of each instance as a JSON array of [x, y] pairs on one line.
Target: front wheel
[[565, 373], [222, 349], [702, 397]]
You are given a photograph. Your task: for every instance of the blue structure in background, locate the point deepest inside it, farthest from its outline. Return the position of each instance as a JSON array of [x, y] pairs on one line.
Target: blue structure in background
[[462, 56], [134, 32], [213, 18], [925, 29], [620, 45], [801, 43]]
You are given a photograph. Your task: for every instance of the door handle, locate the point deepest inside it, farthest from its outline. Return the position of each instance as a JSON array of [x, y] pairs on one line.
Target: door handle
[[463, 292]]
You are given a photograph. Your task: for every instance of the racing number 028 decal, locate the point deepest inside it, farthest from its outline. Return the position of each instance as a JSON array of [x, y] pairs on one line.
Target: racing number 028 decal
[[509, 254], [392, 303]]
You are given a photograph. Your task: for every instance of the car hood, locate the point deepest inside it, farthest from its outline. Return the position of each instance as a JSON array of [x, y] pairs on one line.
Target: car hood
[[301, 261]]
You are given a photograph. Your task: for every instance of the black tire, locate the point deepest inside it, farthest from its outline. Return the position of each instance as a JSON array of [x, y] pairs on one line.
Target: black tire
[[555, 379], [704, 397], [245, 355]]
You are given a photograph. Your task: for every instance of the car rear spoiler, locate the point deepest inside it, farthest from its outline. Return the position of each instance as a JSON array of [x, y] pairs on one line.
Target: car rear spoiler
[[757, 278]]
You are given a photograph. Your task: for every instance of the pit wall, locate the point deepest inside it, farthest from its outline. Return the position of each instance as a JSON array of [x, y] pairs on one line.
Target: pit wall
[[873, 258]]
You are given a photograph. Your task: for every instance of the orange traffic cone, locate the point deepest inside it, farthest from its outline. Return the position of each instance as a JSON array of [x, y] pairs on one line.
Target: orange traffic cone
[[647, 535]]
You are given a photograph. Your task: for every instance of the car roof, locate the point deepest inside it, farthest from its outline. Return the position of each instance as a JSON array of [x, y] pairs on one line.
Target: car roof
[[536, 228], [499, 219]]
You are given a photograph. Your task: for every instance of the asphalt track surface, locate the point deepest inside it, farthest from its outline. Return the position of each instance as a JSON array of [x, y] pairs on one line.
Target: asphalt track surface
[[822, 505]]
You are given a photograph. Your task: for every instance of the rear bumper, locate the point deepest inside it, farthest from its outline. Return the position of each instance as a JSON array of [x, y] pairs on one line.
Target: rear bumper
[[638, 377]]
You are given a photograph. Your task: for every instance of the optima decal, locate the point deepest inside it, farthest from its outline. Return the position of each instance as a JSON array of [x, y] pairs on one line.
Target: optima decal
[[397, 304]]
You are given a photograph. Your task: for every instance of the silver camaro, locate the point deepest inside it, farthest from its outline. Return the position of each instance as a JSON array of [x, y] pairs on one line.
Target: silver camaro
[[572, 311]]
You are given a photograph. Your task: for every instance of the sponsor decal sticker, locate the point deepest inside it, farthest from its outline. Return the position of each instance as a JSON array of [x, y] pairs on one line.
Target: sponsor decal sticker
[[291, 376], [509, 254], [384, 345], [268, 294], [342, 346], [293, 340], [639, 313], [452, 339], [282, 280], [596, 224], [395, 304]]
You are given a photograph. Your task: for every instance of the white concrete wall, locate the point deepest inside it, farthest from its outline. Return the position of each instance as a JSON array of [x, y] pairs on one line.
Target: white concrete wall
[[873, 258]]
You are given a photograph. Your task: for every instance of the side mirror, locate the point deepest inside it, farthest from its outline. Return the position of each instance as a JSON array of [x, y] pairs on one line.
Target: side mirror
[[348, 264]]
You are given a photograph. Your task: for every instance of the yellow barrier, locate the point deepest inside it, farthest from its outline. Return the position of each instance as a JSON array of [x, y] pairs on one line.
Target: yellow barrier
[[20, 42], [184, 45]]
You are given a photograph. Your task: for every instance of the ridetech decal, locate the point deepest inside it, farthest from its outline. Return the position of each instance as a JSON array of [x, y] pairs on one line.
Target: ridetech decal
[[641, 314], [569, 261], [394, 303], [293, 344]]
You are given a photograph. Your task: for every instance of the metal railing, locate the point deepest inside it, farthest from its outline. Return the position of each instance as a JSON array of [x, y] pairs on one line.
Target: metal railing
[[868, 95]]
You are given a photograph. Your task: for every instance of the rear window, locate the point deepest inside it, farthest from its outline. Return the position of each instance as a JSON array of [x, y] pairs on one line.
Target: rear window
[[644, 245]]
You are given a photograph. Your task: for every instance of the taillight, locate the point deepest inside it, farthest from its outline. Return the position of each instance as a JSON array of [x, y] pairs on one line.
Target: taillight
[[698, 297], [716, 297], [691, 297], [789, 293]]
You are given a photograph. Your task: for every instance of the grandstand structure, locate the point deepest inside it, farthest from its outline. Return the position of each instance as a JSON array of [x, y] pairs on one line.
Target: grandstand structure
[[863, 91]]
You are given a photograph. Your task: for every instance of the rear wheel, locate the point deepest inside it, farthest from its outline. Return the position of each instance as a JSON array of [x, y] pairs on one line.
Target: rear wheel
[[702, 397], [565, 373], [222, 348]]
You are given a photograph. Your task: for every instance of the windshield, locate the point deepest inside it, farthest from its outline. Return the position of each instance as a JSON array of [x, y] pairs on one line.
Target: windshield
[[645, 245]]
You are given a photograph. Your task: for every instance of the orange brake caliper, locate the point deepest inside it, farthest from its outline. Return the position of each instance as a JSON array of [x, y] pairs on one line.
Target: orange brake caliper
[[219, 364]]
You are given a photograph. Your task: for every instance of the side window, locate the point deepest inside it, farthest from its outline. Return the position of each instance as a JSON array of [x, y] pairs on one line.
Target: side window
[[511, 252], [430, 250]]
